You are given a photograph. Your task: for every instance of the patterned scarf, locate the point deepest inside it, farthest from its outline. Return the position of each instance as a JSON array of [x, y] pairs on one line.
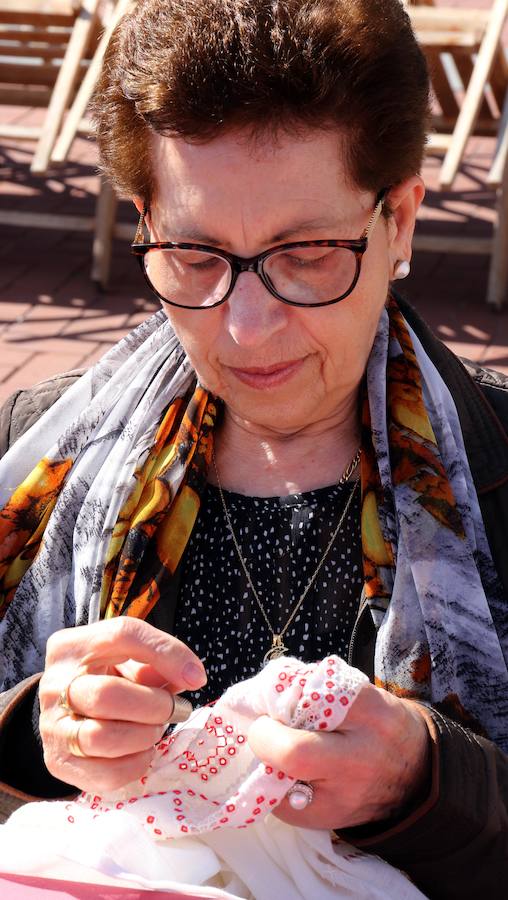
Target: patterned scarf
[[98, 526]]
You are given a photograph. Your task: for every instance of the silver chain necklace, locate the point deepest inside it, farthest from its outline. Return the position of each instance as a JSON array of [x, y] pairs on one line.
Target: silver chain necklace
[[278, 647]]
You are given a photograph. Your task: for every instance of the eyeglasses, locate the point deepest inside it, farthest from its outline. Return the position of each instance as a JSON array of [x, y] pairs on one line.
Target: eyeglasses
[[302, 273]]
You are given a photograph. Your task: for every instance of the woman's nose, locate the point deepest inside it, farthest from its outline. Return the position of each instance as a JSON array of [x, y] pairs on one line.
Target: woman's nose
[[252, 314]]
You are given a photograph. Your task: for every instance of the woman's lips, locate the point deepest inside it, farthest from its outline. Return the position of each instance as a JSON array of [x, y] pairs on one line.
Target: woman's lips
[[269, 376]]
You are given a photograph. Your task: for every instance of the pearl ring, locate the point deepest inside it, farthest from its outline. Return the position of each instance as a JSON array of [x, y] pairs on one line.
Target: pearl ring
[[300, 795]]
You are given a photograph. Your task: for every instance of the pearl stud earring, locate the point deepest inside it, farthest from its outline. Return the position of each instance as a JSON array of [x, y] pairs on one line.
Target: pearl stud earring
[[402, 269]]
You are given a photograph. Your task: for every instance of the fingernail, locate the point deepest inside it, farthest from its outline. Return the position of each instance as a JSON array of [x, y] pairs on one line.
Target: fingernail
[[194, 675]]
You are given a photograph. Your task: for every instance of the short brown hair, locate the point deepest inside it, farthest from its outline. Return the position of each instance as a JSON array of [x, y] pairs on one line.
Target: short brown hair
[[193, 68]]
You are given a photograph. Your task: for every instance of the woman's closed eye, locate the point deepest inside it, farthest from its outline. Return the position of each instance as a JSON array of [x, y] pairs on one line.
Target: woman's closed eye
[[198, 261], [307, 257], [180, 259]]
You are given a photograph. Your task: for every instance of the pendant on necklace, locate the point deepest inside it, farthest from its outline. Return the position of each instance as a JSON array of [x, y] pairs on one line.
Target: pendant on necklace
[[277, 649]]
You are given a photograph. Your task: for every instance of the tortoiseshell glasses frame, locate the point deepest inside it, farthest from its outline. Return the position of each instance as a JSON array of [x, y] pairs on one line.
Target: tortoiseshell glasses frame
[[256, 264]]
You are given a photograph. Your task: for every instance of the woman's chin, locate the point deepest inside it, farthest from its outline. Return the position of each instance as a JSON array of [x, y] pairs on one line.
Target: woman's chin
[[277, 411], [285, 400]]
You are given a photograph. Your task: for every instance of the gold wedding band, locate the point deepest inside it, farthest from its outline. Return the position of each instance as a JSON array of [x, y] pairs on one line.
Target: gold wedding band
[[73, 738], [64, 700]]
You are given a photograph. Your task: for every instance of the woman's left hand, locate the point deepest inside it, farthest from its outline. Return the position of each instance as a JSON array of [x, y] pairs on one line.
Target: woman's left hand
[[373, 765]]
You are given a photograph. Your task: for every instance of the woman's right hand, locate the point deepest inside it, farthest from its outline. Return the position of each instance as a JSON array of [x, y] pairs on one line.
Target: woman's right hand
[[124, 673]]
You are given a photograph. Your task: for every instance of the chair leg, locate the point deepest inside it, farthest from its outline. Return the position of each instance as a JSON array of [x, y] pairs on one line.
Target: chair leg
[[78, 109], [103, 236], [66, 79], [497, 292]]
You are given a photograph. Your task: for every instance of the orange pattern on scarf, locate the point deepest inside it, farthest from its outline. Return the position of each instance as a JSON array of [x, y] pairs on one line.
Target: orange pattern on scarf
[[154, 521], [153, 526], [416, 462], [414, 458], [22, 523]]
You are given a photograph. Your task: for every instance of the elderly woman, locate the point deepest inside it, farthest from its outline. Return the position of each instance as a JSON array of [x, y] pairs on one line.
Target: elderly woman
[[283, 460]]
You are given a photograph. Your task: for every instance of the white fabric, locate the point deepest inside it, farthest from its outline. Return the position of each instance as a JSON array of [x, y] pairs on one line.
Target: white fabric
[[201, 815]]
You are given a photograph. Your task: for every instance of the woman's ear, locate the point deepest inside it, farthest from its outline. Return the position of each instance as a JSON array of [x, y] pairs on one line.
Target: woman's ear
[[404, 199]]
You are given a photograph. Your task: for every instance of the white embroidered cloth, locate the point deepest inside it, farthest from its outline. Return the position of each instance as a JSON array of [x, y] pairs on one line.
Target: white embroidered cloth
[[201, 814]]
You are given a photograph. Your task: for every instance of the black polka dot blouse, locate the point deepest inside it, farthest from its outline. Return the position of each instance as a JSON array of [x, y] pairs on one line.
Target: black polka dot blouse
[[282, 540]]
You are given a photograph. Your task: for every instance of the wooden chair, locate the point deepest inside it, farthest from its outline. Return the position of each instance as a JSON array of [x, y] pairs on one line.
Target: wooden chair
[[469, 73], [60, 38], [105, 214], [44, 48], [470, 43]]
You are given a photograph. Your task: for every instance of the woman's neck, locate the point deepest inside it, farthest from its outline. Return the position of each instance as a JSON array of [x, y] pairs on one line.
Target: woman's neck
[[258, 462]]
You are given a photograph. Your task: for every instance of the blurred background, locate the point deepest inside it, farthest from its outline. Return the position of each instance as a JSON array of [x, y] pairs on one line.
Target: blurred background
[[69, 287]]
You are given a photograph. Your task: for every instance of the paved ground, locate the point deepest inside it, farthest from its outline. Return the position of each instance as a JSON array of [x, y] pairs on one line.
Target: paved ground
[[53, 319]]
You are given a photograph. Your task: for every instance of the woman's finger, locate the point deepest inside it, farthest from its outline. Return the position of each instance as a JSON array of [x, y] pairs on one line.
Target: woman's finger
[[140, 673], [112, 642], [101, 775], [307, 755], [109, 739], [114, 697]]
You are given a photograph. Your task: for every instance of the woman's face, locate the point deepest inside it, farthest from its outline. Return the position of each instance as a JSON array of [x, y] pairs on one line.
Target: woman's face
[[279, 367]]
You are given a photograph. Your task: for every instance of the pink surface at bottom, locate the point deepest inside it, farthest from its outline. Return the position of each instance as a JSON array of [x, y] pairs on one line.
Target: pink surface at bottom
[[25, 887]]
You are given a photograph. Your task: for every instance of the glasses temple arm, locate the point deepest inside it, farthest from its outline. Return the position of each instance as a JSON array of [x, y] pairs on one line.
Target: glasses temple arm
[[375, 215], [139, 237]]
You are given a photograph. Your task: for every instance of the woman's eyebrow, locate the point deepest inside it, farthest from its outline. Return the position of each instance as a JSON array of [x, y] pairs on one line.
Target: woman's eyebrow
[[194, 234], [299, 227]]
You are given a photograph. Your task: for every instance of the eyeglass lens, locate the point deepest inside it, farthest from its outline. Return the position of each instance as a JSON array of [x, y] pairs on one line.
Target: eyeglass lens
[[304, 275]]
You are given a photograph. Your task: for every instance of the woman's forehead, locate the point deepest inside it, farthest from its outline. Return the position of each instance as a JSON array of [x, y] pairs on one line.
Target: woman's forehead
[[281, 186]]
